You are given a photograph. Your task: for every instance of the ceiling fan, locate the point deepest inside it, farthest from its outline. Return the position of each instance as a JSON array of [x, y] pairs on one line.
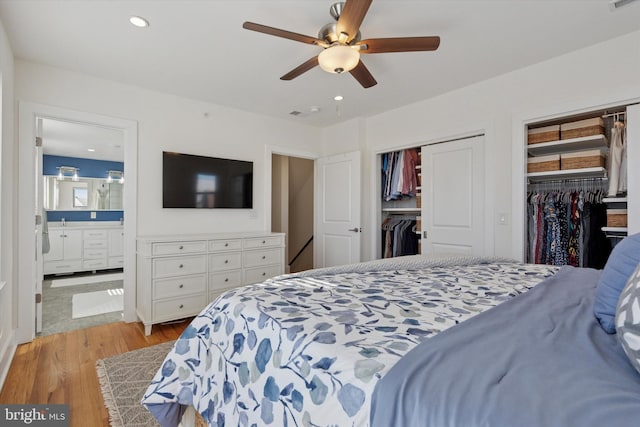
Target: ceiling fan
[[342, 43]]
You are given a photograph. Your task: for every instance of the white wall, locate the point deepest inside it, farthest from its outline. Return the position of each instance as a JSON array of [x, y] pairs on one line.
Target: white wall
[[171, 123], [599, 75], [8, 234]]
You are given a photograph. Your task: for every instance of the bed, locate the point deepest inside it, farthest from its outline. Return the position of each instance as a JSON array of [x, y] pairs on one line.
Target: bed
[[332, 347]]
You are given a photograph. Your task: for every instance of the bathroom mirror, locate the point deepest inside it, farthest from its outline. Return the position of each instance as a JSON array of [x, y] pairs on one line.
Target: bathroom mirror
[[92, 194]]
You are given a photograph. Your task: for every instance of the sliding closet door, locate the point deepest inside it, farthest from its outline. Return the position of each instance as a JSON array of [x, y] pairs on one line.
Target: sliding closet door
[[453, 197]]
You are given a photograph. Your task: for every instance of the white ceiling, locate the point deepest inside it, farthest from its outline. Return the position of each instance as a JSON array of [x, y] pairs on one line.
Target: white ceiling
[[69, 139], [198, 49]]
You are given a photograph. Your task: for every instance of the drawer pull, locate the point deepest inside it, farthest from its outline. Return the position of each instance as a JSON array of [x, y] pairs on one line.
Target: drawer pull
[[226, 279], [264, 257], [181, 306], [181, 247], [181, 266], [181, 286], [264, 274], [264, 241], [226, 261], [226, 244]]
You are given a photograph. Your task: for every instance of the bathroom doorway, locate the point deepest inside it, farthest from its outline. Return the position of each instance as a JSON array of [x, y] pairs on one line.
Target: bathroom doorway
[[80, 191]]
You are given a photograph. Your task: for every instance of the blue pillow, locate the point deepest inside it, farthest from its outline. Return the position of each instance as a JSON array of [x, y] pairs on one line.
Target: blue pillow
[[623, 260]]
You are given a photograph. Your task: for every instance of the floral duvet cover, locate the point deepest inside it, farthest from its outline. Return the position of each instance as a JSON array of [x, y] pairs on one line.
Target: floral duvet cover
[[308, 349]]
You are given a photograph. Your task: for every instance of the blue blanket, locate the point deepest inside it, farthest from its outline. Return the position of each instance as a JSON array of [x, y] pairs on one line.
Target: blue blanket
[[537, 360]]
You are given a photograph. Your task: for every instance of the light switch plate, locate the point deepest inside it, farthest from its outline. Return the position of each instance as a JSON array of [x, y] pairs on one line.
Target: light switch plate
[[93, 215]]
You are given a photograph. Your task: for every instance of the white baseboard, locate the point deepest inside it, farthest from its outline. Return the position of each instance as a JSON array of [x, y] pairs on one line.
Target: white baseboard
[[6, 357]]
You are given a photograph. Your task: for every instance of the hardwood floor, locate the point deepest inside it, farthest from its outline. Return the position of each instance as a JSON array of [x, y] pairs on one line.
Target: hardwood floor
[[60, 368]]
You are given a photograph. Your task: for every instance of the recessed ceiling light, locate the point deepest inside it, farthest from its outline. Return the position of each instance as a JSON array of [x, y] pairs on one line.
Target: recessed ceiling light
[[139, 21], [338, 98], [91, 150]]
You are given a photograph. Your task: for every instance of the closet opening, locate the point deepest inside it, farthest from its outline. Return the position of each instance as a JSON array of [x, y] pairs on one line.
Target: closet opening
[[431, 198], [577, 188]]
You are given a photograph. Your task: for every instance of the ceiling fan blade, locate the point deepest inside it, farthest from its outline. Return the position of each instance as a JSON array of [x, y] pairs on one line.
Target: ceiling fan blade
[[363, 76], [351, 17], [302, 68], [283, 33], [400, 44]]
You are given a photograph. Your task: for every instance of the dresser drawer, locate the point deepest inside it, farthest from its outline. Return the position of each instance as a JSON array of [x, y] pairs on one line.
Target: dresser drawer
[[262, 242], [94, 253], [225, 261], [178, 308], [94, 234], [177, 248], [179, 286], [225, 245], [260, 274], [263, 257], [91, 264], [225, 280], [164, 267], [95, 244]]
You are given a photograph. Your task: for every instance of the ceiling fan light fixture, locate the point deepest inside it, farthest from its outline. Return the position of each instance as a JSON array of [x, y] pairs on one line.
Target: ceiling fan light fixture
[[338, 59]]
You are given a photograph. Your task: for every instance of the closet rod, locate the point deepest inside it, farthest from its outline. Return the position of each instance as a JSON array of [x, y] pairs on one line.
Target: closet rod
[[557, 184]]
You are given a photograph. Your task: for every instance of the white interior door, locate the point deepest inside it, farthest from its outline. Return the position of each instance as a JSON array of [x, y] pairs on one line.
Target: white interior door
[[453, 197], [337, 192]]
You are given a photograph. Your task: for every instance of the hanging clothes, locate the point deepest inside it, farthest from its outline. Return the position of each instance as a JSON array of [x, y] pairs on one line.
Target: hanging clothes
[[399, 179], [399, 237], [617, 164], [565, 228]]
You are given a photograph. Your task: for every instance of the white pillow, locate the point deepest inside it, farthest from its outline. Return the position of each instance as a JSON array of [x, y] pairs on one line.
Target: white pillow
[[628, 318]]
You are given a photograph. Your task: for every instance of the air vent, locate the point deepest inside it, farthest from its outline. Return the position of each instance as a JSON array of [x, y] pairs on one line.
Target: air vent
[[295, 113], [617, 4]]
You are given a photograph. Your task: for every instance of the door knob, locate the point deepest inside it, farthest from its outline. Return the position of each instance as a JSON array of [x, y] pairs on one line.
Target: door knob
[[355, 229]]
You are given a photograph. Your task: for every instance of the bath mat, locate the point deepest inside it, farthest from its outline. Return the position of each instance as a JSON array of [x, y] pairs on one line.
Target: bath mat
[[99, 302]]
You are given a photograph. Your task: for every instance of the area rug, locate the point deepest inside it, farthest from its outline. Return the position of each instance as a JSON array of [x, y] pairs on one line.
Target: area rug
[[85, 279], [124, 379], [98, 302]]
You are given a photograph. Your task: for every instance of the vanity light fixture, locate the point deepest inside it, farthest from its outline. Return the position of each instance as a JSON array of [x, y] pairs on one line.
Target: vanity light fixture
[[113, 174], [68, 171]]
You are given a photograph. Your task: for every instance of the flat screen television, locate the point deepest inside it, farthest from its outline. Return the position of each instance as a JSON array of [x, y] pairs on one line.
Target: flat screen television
[[190, 181]]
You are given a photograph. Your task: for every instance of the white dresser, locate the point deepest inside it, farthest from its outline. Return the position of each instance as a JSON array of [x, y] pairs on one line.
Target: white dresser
[[83, 246], [179, 275]]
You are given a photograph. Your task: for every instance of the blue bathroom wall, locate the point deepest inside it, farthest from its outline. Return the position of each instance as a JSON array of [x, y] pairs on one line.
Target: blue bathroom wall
[[87, 168]]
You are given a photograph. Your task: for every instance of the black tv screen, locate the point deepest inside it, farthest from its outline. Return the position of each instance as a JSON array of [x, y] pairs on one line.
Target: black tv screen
[[190, 181]]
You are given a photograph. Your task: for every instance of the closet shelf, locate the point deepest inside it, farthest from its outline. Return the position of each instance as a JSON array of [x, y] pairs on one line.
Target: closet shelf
[[615, 229], [401, 210], [566, 145], [598, 172], [614, 200]]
